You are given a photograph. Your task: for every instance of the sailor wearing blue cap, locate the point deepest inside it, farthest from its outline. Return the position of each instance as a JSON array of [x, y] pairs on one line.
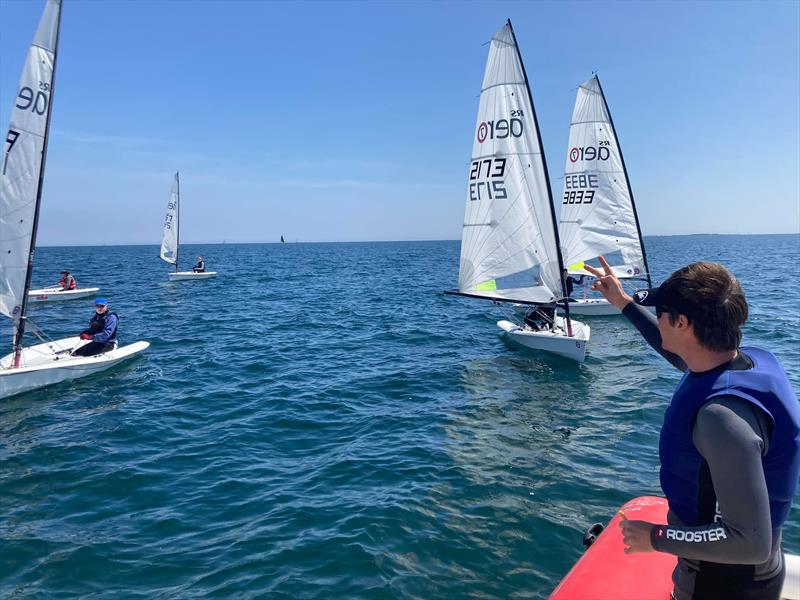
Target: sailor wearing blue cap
[[102, 331]]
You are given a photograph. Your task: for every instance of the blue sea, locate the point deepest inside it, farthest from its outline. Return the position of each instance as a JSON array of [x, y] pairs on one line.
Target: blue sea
[[320, 421]]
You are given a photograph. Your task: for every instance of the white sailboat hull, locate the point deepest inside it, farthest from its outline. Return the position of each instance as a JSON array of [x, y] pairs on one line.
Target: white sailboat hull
[[555, 342], [593, 307], [56, 294], [189, 275], [50, 363]]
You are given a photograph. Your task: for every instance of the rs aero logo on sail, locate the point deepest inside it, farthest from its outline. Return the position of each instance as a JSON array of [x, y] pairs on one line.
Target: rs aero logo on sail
[[501, 128], [600, 152]]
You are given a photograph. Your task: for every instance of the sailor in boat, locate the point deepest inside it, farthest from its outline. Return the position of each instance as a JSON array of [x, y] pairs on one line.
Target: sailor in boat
[[569, 282], [67, 281], [102, 331], [730, 442], [200, 267], [540, 318]]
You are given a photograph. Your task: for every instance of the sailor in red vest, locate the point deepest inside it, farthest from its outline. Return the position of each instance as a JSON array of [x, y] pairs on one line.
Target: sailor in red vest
[[67, 281], [730, 442]]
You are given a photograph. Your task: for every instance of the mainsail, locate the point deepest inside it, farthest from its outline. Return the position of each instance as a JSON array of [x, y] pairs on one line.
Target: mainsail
[[509, 242], [22, 167], [598, 215], [169, 243]]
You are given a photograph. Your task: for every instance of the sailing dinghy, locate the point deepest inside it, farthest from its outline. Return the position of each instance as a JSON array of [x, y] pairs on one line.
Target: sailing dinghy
[[509, 243], [598, 213], [55, 294], [23, 162], [171, 238]]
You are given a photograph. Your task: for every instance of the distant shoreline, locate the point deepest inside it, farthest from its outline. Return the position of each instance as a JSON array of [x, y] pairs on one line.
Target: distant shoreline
[[233, 243]]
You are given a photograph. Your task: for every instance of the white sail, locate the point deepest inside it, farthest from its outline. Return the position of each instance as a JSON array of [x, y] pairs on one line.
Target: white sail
[[597, 211], [22, 162], [169, 243], [508, 244]]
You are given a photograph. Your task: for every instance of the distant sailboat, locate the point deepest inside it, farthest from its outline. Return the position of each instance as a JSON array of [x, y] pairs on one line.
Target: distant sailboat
[[282, 240], [23, 164], [509, 246], [170, 241], [57, 294], [61, 292], [598, 214]]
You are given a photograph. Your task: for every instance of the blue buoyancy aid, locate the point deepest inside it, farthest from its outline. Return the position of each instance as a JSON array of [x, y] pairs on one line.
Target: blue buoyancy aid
[[684, 473]]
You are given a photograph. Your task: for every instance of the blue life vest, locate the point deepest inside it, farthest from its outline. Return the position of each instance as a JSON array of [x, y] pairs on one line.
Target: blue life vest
[[685, 478]]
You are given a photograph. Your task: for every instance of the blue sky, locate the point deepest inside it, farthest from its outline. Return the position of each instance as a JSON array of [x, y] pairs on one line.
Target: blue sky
[[327, 121]]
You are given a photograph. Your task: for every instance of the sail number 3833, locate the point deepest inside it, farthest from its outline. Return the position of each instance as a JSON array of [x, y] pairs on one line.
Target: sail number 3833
[[579, 188], [492, 170]]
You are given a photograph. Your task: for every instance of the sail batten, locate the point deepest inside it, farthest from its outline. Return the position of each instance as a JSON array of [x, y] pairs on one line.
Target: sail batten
[[509, 237], [598, 214], [22, 167]]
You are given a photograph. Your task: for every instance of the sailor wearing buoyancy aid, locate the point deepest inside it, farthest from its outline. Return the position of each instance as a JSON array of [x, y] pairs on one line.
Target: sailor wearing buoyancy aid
[[102, 331], [730, 443], [67, 281]]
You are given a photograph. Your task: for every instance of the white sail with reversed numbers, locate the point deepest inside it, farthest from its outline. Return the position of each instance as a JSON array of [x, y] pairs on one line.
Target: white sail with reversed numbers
[[169, 241], [22, 166], [598, 214], [22, 163], [508, 243]]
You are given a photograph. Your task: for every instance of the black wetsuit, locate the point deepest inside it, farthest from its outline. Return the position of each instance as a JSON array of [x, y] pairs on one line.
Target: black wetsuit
[[200, 267], [732, 435]]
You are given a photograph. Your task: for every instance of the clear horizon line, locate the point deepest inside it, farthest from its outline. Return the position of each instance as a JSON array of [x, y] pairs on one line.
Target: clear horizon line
[[225, 242]]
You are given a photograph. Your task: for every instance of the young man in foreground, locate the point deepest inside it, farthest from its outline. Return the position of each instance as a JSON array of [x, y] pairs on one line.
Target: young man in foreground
[[730, 442]]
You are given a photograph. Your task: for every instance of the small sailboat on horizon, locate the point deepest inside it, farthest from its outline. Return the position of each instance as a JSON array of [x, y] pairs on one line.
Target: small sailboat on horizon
[[170, 240], [598, 212], [23, 164], [510, 248]]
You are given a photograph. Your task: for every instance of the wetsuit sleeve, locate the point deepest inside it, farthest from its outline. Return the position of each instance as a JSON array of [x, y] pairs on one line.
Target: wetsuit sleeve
[[647, 325], [108, 330], [732, 435]]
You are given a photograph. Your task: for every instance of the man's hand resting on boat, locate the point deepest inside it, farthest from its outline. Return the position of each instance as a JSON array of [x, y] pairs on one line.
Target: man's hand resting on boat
[[608, 284], [636, 536]]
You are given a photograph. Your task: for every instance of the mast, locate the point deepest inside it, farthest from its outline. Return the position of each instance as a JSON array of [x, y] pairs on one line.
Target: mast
[[24, 307], [177, 219], [627, 182], [547, 179]]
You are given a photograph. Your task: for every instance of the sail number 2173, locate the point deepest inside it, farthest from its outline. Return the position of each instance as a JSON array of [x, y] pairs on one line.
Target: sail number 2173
[[492, 170]]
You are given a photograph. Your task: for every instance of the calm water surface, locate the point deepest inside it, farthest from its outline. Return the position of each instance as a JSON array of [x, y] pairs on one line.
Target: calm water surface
[[320, 421]]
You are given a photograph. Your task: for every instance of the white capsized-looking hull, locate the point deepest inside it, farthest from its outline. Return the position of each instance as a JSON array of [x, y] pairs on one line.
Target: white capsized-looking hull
[[190, 275], [555, 341], [50, 363], [55, 294]]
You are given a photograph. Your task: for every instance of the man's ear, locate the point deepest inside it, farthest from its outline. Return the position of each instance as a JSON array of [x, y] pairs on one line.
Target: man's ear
[[683, 322]]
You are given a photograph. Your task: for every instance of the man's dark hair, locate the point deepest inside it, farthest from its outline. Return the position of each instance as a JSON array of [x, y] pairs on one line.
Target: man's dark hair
[[713, 301]]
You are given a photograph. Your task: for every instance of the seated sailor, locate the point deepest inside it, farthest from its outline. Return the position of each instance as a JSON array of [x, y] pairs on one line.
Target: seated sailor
[[540, 318], [200, 267], [67, 281], [102, 331]]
